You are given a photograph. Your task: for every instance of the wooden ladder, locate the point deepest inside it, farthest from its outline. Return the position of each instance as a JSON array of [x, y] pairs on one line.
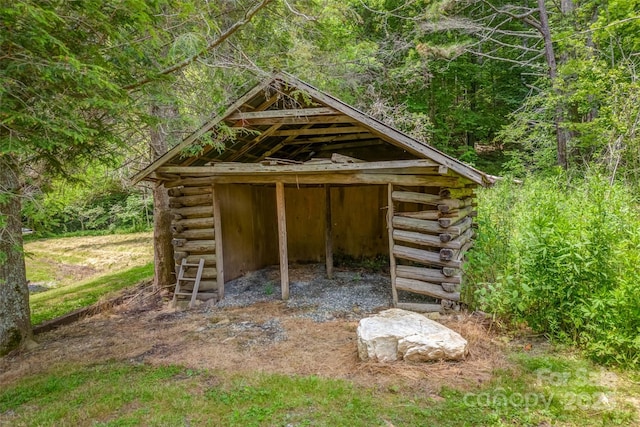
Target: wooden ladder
[[196, 281]]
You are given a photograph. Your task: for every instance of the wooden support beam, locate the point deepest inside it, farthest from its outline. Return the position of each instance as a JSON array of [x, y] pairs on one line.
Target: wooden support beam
[[272, 151], [298, 112], [394, 136], [217, 226], [194, 245], [450, 271], [191, 223], [196, 200], [413, 197], [209, 259], [207, 273], [423, 257], [425, 288], [457, 193], [433, 227], [439, 241], [188, 191], [417, 238], [341, 119], [282, 240], [193, 211], [196, 234], [328, 227], [392, 258], [319, 178], [249, 145], [453, 218], [321, 131], [431, 215], [449, 205], [433, 275], [354, 140], [236, 168]]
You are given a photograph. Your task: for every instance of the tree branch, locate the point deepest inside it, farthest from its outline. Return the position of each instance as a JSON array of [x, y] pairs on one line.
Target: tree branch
[[215, 43]]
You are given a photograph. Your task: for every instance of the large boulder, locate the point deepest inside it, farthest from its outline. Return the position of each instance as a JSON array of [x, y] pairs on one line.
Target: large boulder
[[397, 334]]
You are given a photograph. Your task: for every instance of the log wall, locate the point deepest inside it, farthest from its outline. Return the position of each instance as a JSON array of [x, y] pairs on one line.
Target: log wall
[[431, 229], [193, 232]]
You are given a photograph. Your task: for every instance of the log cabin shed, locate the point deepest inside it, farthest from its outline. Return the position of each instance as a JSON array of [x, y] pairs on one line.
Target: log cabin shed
[[288, 173]]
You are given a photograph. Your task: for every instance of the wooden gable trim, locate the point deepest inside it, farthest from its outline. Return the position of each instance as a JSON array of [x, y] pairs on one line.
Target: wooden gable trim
[[201, 131]]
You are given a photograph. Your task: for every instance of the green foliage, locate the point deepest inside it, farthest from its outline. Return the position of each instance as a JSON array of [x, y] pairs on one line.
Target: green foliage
[[61, 73], [95, 201], [539, 390], [562, 255]]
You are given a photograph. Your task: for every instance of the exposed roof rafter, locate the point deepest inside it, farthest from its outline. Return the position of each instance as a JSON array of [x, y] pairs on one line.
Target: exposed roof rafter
[[284, 119]]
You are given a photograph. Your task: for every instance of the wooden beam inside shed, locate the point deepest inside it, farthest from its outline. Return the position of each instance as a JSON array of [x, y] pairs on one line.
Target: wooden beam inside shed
[[392, 258], [217, 226], [282, 240], [321, 131], [328, 241], [300, 112]]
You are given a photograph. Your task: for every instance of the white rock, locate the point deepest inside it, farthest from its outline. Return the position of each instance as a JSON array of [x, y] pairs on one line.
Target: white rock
[[397, 334]]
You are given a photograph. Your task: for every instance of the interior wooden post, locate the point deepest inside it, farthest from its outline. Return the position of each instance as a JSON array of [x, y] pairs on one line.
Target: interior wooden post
[[328, 241], [217, 226], [282, 240], [392, 258]]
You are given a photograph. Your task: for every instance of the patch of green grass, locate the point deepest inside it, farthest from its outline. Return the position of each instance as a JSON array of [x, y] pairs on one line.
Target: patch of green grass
[[65, 261], [56, 302], [117, 394], [269, 289]]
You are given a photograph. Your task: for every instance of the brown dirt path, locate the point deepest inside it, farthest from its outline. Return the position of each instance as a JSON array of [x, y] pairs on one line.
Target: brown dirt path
[[264, 337]]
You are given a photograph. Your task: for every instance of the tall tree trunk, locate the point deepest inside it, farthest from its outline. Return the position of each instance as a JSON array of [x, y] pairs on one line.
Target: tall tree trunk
[[562, 134], [15, 321], [164, 268]]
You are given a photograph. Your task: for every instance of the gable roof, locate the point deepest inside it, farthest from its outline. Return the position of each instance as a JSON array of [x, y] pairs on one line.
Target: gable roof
[[293, 120]]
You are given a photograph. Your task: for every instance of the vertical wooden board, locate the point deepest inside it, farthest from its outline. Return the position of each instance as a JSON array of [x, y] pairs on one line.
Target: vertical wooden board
[[392, 258], [305, 223], [217, 226], [282, 240], [328, 241], [359, 219]]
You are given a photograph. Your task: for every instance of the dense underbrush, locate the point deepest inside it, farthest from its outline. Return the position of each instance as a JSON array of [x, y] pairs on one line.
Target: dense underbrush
[[562, 255]]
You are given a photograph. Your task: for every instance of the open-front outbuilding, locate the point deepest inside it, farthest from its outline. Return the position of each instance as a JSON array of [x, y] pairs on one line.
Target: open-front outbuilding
[[289, 173]]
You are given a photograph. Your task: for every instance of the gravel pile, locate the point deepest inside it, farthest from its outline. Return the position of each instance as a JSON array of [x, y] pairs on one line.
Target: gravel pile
[[350, 294]]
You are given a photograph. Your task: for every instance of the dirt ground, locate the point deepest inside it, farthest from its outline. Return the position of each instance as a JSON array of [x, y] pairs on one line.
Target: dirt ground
[[266, 337]]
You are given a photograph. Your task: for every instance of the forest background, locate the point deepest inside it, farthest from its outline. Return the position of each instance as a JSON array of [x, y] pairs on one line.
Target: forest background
[[541, 93]]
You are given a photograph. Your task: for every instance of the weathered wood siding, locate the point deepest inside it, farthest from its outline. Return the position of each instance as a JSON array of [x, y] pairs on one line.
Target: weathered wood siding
[[249, 227], [431, 230]]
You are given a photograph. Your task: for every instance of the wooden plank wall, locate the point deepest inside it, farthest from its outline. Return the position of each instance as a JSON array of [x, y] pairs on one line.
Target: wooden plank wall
[[359, 220], [249, 227]]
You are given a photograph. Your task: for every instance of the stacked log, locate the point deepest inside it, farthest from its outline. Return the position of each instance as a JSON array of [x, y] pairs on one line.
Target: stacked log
[[430, 240], [194, 233]]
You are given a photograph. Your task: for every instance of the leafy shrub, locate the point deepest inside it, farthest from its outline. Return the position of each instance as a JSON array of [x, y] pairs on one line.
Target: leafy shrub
[[97, 203], [562, 255]]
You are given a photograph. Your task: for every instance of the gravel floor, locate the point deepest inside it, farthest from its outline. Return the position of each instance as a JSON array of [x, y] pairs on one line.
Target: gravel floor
[[350, 294]]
